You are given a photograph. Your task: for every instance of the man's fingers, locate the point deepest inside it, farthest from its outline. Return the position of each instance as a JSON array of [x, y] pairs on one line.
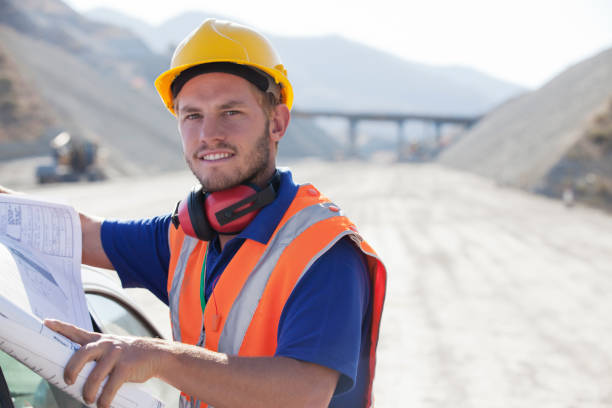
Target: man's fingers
[[87, 353], [115, 381], [117, 358], [4, 190], [71, 331], [103, 368]]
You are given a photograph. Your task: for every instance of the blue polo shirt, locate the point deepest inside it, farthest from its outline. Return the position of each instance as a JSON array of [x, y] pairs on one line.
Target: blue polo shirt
[[326, 318]]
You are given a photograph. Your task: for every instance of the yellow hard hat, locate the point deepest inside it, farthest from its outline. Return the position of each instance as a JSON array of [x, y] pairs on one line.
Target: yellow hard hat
[[222, 41]]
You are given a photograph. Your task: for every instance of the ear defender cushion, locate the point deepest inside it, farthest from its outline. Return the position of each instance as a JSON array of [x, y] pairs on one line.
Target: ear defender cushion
[[221, 214], [194, 218]]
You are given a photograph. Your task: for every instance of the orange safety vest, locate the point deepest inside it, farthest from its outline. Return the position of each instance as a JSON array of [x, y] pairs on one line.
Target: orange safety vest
[[252, 291]]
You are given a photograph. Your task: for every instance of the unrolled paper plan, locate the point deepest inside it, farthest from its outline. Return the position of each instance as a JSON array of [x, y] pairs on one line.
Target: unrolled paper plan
[[40, 265]]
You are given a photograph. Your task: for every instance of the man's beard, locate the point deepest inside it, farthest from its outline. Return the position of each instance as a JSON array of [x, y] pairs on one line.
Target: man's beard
[[257, 164]]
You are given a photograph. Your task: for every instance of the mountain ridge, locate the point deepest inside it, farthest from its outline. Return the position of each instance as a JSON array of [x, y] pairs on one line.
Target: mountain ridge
[[401, 85]]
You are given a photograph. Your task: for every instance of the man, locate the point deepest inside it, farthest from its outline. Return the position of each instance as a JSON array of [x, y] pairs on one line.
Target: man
[[275, 299]]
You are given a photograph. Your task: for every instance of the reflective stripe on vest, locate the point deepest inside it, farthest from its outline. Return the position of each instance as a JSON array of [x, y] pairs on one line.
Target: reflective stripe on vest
[[242, 315], [184, 402], [187, 247], [243, 308]]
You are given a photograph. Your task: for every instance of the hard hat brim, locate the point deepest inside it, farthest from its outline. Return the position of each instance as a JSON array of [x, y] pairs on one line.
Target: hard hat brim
[[164, 81]]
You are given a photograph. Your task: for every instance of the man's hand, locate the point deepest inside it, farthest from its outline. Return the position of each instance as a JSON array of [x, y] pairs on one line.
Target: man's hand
[[216, 378], [121, 359], [4, 190]]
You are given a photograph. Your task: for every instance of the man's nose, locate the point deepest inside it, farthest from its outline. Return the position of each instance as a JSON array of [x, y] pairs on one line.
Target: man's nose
[[210, 129]]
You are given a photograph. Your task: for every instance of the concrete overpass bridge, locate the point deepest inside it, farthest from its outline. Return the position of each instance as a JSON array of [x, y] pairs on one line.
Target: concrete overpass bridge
[[353, 118]]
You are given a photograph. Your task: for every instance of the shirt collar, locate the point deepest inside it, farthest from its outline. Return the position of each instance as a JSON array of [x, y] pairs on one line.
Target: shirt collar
[[264, 224]]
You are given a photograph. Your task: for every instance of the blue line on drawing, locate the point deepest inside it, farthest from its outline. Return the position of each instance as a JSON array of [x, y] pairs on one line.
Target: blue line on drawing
[[35, 266]]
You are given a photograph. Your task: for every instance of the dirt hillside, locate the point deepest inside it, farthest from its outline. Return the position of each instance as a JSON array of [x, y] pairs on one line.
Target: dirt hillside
[[130, 123], [523, 140], [17, 101], [585, 172]]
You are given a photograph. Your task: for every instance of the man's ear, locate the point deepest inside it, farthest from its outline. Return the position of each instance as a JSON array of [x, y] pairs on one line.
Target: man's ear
[[279, 121]]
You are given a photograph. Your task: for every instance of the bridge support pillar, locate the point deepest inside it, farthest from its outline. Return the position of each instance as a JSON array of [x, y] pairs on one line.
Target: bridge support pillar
[[401, 142], [352, 148], [438, 131]]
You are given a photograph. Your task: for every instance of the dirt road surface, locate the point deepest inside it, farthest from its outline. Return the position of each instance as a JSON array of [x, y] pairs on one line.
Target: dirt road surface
[[496, 298]]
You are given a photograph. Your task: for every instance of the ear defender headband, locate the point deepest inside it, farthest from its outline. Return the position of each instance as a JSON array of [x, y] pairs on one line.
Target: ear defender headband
[[226, 212]]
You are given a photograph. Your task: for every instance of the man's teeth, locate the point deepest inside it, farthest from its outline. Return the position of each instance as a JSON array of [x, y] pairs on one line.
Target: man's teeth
[[216, 156]]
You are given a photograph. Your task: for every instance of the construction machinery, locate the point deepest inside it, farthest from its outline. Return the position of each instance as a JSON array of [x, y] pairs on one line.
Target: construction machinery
[[74, 159]]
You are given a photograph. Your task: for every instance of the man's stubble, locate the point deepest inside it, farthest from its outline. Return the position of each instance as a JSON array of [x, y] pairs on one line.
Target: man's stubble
[[257, 164]]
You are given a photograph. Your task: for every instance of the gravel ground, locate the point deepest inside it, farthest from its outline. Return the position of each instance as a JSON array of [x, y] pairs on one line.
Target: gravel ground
[[496, 298]]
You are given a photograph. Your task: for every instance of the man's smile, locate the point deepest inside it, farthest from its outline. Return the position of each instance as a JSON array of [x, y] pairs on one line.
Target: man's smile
[[215, 156]]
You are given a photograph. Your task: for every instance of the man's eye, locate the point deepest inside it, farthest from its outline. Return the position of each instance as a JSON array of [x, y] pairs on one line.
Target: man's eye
[[193, 116], [231, 113]]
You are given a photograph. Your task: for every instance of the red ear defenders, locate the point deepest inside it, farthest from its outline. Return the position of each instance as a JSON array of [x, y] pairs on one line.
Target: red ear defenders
[[229, 211]]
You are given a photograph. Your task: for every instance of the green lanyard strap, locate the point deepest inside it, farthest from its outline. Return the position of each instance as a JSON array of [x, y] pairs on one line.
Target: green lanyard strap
[[203, 281]]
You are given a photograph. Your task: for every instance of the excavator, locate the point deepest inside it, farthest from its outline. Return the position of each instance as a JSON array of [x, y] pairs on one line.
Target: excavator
[[74, 159]]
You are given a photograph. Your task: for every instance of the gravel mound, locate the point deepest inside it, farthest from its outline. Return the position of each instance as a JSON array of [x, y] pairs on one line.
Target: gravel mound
[[521, 141]]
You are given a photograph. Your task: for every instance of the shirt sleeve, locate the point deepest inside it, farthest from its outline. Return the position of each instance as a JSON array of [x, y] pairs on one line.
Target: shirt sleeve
[[139, 252], [323, 319]]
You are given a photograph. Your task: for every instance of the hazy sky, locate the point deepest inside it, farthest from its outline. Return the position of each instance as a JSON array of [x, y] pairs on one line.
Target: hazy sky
[[523, 41]]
